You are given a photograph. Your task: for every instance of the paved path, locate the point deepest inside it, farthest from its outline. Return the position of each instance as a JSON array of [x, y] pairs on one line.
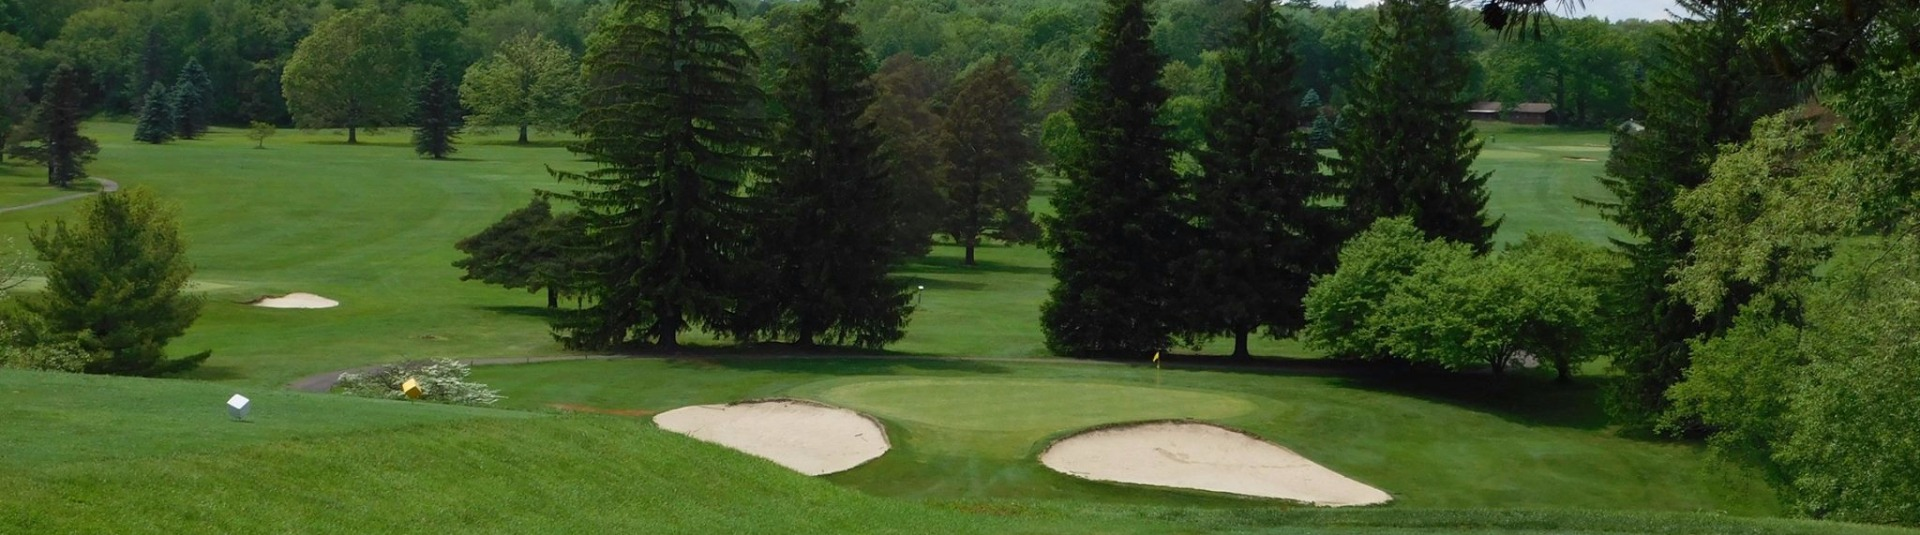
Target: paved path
[[105, 186], [323, 382]]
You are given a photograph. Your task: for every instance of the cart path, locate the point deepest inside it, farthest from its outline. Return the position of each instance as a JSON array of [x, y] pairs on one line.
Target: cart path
[[106, 186]]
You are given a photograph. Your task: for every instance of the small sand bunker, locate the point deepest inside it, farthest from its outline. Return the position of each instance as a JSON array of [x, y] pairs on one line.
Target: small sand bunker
[[1194, 455], [296, 300], [810, 438], [1579, 158]]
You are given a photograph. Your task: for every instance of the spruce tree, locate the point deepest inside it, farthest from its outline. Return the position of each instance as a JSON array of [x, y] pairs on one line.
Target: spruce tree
[[1115, 234], [1703, 90], [1263, 233], [670, 124], [1310, 101], [156, 116], [51, 133], [1321, 133], [192, 92], [1409, 146], [823, 227], [989, 157], [436, 115], [181, 102]]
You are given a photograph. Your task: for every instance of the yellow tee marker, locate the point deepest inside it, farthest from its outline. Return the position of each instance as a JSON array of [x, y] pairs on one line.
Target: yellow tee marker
[[411, 388]]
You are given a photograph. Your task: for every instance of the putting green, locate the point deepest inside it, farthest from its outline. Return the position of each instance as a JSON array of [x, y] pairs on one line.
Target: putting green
[[1027, 406]]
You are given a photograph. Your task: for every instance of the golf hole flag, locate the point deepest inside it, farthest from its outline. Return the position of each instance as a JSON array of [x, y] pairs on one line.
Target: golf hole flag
[[411, 388], [238, 405], [1156, 358]]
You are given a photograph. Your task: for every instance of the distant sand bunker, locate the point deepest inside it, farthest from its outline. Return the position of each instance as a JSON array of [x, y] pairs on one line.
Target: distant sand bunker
[[808, 437], [296, 300], [1194, 455]]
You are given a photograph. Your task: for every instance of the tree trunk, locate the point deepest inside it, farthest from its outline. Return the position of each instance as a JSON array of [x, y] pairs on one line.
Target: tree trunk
[[1566, 371], [353, 135], [806, 338], [1240, 344], [1500, 367], [971, 243], [553, 298], [523, 134], [669, 339]]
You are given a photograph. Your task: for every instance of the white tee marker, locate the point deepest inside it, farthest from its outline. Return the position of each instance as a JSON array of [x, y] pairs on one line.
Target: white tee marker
[[238, 405]]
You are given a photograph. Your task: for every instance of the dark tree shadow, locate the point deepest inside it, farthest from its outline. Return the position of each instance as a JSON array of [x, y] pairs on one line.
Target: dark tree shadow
[[949, 265], [829, 365], [1528, 399], [543, 144], [526, 311], [212, 372]]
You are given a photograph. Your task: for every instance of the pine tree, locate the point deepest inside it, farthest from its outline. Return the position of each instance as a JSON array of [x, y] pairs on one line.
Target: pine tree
[[156, 116], [1409, 146], [1322, 133], [823, 227], [191, 94], [989, 157], [1263, 232], [51, 134], [1114, 233], [1703, 91], [436, 114], [670, 124], [1310, 101]]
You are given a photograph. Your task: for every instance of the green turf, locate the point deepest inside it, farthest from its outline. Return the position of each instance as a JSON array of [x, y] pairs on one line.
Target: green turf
[[313, 463], [967, 430], [372, 226]]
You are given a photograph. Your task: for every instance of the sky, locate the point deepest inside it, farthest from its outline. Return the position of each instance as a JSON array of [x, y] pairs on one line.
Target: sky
[[1606, 9]]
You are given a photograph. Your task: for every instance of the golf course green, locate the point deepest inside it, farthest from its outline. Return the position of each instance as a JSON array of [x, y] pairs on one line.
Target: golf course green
[[969, 398]]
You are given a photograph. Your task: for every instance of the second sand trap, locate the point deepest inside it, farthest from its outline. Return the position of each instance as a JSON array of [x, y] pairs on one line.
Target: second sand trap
[[1194, 455], [296, 300], [809, 438]]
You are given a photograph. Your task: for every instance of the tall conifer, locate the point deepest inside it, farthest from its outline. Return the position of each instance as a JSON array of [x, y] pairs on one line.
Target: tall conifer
[[1115, 234], [156, 116], [191, 95], [436, 115], [1408, 146], [1703, 90], [1263, 233], [824, 224], [51, 134], [671, 126]]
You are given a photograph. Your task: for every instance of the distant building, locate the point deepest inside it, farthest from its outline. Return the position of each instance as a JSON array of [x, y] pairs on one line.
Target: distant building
[[1484, 111], [1532, 113]]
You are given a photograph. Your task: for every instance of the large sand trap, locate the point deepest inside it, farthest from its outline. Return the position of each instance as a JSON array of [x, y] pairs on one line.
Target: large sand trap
[[296, 300], [1194, 455], [808, 437]]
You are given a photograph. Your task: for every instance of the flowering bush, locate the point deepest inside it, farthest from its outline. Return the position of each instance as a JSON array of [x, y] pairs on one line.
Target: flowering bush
[[441, 381]]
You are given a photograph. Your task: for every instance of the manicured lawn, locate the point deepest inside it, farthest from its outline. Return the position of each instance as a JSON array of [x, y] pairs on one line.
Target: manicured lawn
[[969, 429], [316, 463]]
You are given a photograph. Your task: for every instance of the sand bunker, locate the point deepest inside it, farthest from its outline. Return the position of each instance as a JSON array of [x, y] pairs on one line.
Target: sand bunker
[[808, 437], [296, 300], [1194, 455]]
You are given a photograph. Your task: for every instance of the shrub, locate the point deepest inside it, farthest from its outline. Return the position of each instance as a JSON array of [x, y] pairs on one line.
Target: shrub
[[441, 381]]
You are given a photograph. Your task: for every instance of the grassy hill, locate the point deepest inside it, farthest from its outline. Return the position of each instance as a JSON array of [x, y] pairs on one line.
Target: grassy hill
[[120, 455]]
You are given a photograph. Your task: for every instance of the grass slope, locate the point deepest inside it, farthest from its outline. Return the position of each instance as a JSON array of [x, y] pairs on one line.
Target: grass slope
[[969, 430], [328, 464]]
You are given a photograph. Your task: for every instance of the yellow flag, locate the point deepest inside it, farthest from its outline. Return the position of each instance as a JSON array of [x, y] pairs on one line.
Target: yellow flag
[[1156, 357]]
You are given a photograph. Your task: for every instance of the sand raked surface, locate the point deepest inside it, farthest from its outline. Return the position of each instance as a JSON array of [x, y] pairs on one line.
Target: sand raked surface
[[810, 438], [296, 300], [1195, 455]]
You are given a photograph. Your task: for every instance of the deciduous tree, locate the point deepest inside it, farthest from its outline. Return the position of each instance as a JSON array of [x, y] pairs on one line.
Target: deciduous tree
[[528, 83], [989, 155], [354, 71]]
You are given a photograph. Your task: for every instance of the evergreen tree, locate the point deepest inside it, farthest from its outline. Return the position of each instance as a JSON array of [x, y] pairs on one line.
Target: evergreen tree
[[989, 154], [114, 284], [1322, 133], [51, 134], [525, 249], [1310, 101], [670, 123], [180, 104], [1114, 233], [156, 116], [1703, 91], [1410, 146], [436, 115], [1262, 232], [191, 95], [825, 217]]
